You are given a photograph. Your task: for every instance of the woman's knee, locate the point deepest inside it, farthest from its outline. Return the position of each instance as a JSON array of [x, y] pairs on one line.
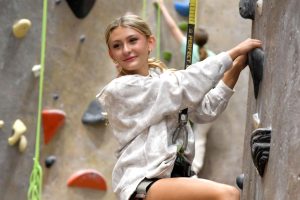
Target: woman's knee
[[230, 193]]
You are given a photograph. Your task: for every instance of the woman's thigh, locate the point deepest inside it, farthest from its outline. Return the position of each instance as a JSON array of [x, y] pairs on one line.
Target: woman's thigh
[[191, 188]]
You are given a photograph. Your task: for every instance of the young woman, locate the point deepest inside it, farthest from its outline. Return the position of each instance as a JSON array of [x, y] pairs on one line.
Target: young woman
[[143, 103]]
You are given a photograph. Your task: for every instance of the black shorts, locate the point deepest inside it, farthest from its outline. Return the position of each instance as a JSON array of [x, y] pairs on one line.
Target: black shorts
[[142, 189]]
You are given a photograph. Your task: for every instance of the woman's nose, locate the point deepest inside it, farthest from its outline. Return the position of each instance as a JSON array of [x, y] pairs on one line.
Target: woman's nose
[[126, 48]]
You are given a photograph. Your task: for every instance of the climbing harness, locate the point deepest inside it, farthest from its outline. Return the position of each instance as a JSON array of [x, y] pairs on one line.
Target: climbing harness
[[35, 183]]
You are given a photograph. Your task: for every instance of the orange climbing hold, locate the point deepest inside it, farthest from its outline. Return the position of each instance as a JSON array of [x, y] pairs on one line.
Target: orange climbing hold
[[88, 178], [52, 120]]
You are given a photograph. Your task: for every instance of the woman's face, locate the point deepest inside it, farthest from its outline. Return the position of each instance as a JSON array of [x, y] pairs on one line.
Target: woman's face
[[130, 49]]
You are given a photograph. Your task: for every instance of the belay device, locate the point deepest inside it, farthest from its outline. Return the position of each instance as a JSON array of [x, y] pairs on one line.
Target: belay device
[[182, 167]]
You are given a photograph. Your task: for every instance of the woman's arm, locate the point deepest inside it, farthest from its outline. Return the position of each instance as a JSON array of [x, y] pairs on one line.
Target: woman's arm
[[232, 75], [176, 32]]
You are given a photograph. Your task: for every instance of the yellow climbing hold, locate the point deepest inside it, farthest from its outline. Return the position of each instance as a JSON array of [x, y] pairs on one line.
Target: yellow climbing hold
[[1, 123], [21, 27], [22, 144], [19, 128]]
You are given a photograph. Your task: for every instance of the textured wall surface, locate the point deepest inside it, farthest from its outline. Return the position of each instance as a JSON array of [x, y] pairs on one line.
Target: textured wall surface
[[277, 103], [76, 72]]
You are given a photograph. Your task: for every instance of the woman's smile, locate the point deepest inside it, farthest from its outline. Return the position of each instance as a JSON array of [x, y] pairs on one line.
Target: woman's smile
[[130, 59]]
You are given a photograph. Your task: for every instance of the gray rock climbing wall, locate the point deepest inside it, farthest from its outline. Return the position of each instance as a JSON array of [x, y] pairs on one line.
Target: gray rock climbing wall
[[76, 71], [277, 103]]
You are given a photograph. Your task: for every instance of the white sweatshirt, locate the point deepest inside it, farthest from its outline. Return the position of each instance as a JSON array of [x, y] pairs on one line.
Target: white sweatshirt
[[143, 114]]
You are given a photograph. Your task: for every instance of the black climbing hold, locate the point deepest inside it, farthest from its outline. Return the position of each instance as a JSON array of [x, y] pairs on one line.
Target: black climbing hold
[[260, 148], [93, 114], [50, 160], [57, 2], [256, 62], [240, 181], [55, 96], [81, 8], [247, 8]]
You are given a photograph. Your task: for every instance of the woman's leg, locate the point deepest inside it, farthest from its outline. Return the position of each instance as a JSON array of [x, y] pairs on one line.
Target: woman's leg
[[191, 189], [200, 132]]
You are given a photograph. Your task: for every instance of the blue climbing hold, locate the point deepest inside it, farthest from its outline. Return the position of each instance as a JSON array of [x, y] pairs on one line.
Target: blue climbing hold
[[182, 8]]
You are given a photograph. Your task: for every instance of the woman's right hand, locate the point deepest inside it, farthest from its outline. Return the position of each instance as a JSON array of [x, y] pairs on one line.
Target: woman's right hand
[[244, 47]]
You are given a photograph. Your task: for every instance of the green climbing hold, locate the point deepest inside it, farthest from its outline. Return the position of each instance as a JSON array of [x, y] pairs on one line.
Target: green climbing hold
[[167, 56], [183, 26]]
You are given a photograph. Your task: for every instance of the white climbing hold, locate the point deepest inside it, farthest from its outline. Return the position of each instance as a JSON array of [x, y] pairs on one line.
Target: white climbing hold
[[22, 144], [19, 128], [259, 5], [36, 70], [1, 123], [21, 27], [104, 114], [256, 121]]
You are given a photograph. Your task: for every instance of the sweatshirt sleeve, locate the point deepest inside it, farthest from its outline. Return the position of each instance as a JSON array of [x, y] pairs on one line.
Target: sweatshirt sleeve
[[134, 102], [213, 104]]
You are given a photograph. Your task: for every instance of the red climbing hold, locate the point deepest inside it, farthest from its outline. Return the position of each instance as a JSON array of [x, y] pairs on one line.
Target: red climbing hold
[[88, 178], [52, 120]]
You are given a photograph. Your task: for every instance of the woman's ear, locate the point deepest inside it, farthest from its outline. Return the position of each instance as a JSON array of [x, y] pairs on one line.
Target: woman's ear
[[151, 42]]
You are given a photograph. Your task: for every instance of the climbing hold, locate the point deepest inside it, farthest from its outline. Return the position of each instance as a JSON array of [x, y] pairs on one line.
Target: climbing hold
[[55, 96], [22, 144], [82, 38], [88, 178], [81, 8], [21, 27], [182, 8], [18, 129], [256, 63], [247, 9], [36, 70], [183, 26], [94, 113], [155, 4], [1, 123], [260, 148], [52, 120], [256, 120], [167, 56], [50, 160], [240, 181], [57, 2], [259, 5]]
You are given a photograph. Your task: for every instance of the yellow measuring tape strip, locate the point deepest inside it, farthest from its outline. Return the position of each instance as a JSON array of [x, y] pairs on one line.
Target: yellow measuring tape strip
[[190, 38], [190, 33]]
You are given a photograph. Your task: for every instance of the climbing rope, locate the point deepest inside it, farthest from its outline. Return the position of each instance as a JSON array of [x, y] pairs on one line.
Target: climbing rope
[[35, 182], [144, 9], [158, 32]]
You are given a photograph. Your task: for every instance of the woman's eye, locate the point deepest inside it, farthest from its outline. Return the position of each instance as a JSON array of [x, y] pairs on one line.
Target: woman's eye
[[132, 40], [115, 46]]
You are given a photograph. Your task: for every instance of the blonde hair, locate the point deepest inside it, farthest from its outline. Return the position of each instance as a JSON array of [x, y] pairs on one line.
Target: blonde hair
[[138, 24]]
